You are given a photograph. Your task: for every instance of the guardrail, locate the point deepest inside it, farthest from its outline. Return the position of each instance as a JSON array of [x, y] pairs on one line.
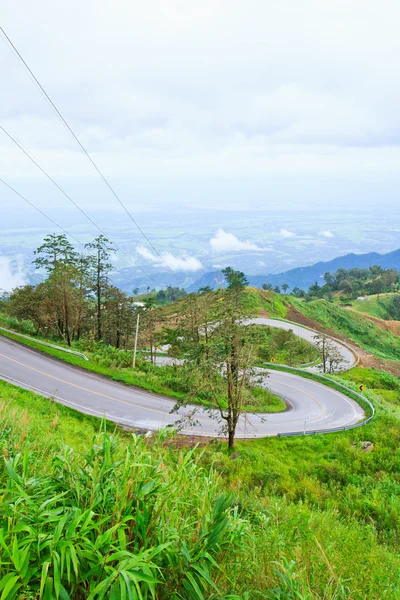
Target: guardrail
[[333, 383], [27, 337]]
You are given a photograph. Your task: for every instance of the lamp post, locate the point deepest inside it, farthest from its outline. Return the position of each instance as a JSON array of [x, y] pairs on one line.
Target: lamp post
[[136, 339]]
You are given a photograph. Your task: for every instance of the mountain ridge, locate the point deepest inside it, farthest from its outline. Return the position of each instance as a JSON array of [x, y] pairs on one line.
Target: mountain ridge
[[304, 277]]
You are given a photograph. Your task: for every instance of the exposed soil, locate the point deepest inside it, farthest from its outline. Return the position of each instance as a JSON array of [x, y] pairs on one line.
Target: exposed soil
[[392, 326]]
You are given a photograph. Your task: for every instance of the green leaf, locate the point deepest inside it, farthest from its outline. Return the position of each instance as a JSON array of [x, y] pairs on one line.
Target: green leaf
[[11, 588]]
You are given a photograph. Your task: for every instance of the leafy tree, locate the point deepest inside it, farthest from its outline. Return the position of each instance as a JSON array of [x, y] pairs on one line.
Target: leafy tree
[[392, 309], [55, 252], [221, 352], [298, 292], [267, 286], [100, 267], [285, 287], [58, 257], [235, 279], [331, 358]]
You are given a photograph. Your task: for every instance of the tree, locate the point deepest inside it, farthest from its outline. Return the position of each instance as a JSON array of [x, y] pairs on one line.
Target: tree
[[100, 268], [220, 352], [298, 292], [55, 252], [267, 286], [150, 329], [58, 257], [235, 279], [118, 317], [277, 289], [285, 287], [331, 358]]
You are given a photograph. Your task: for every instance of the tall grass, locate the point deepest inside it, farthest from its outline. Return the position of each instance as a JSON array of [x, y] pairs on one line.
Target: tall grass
[[309, 519], [118, 524]]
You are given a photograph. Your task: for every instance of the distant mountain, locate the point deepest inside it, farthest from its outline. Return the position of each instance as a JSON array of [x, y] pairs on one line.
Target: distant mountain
[[303, 277]]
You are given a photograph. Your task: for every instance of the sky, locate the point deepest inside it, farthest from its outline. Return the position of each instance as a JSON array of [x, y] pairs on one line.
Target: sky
[[173, 90]]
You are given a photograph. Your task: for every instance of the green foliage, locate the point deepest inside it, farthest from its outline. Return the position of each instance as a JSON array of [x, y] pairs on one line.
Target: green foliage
[[282, 344], [313, 517], [368, 335], [384, 307], [351, 283], [258, 301], [119, 523]]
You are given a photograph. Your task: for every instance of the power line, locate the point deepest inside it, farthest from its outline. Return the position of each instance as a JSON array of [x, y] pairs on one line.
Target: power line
[[71, 199], [54, 222], [40, 211], [83, 148]]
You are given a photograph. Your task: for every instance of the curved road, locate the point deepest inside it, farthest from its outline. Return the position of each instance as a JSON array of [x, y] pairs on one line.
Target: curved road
[[349, 358], [311, 405]]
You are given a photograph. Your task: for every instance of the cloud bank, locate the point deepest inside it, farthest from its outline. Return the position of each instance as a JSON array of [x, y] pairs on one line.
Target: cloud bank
[[10, 276], [175, 263], [223, 242], [287, 234]]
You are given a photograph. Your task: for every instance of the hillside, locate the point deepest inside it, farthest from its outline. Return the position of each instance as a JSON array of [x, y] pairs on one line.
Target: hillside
[[276, 522], [304, 277]]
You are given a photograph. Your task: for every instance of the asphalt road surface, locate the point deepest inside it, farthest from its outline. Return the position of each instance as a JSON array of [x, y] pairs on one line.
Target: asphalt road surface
[[311, 405], [349, 358]]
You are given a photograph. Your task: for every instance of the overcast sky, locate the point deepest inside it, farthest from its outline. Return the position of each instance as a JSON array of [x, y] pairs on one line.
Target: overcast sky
[[198, 89]]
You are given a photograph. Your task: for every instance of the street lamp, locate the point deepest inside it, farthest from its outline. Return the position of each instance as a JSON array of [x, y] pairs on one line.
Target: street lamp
[[136, 336]]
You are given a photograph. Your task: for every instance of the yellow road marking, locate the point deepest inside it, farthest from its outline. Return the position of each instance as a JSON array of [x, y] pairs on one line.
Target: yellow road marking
[[80, 387], [156, 410]]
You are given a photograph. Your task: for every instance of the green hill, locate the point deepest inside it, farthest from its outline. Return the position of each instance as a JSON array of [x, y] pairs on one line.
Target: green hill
[[349, 324]]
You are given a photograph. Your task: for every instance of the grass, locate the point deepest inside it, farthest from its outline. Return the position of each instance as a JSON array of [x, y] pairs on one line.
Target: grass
[[377, 341], [121, 521], [258, 301], [283, 345], [373, 306], [309, 518]]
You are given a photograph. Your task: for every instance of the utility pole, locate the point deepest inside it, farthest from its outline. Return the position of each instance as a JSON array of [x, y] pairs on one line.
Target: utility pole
[[136, 339]]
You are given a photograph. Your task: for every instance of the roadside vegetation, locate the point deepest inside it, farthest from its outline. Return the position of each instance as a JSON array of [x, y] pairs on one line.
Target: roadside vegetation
[[368, 335], [90, 510], [311, 518], [282, 346]]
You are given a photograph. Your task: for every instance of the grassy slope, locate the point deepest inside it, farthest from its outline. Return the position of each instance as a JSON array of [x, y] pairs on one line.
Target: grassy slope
[[374, 306], [320, 501], [369, 336]]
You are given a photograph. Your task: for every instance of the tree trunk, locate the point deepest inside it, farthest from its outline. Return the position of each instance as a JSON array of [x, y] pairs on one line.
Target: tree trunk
[[231, 437]]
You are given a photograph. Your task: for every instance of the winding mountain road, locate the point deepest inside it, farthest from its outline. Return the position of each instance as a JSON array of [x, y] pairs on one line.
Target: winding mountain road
[[349, 357], [311, 405]]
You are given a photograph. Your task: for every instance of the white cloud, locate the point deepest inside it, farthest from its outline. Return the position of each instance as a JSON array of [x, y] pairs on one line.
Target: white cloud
[[327, 234], [11, 277], [287, 234], [228, 242], [175, 263], [195, 108]]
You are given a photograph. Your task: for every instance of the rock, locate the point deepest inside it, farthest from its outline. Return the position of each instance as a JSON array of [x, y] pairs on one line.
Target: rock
[[367, 446], [234, 456]]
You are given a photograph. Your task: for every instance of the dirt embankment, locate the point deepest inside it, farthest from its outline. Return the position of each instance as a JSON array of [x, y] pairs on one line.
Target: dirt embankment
[[366, 359], [392, 326]]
